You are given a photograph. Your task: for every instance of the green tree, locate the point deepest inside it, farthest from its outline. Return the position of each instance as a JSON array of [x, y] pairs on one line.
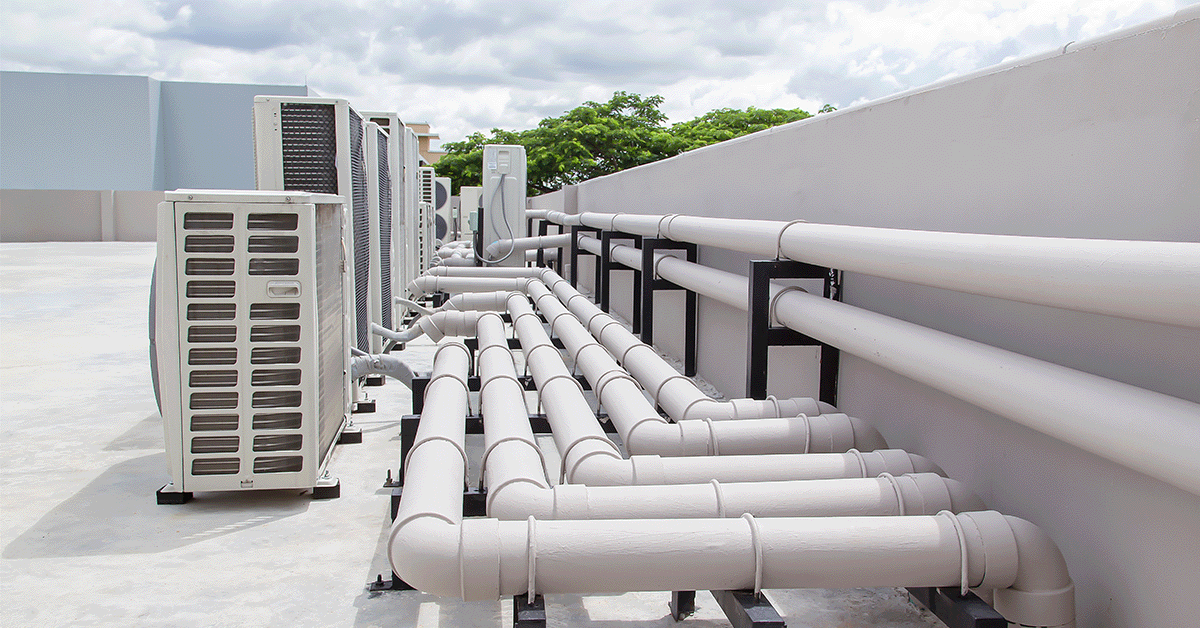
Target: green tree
[[596, 139], [725, 124]]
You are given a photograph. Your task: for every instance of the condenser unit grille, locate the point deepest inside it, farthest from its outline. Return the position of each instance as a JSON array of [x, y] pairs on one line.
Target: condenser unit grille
[[309, 147], [331, 335], [385, 232], [360, 216], [263, 348]]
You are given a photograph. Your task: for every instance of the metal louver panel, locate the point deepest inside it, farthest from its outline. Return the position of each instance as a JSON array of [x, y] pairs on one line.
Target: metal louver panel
[[385, 232], [330, 343], [309, 147], [360, 216]]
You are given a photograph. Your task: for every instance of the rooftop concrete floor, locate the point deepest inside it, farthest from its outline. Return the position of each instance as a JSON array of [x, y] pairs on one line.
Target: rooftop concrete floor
[[81, 454]]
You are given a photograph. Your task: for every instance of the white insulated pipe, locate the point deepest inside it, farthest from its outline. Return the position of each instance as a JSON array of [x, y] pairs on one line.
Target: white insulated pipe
[[678, 396], [514, 471], [1145, 280], [435, 550], [502, 247], [383, 364], [589, 457], [644, 432], [1150, 432]]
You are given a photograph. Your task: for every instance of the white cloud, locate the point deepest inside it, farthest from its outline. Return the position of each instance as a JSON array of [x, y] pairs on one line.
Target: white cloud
[[472, 65]]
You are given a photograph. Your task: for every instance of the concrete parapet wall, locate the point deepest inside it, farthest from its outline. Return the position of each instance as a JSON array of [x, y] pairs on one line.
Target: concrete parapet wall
[[78, 215], [1100, 139]]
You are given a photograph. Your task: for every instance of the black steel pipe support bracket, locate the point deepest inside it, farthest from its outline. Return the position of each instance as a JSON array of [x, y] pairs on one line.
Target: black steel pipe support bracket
[[957, 610], [745, 609], [651, 284], [604, 277], [576, 252], [762, 335], [528, 614], [543, 230]]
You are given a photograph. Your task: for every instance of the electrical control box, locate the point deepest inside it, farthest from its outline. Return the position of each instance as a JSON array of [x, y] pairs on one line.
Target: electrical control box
[[469, 196], [504, 175]]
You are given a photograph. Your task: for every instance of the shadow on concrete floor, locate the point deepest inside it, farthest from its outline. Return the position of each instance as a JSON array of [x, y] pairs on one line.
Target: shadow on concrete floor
[[117, 513]]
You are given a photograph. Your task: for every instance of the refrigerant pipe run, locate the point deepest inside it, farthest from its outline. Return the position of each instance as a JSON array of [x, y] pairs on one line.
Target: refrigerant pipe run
[[1093, 413], [514, 470], [433, 548], [678, 395], [1144, 280]]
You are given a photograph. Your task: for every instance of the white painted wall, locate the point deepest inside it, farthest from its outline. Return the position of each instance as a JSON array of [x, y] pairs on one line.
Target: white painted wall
[[1102, 141], [210, 137], [78, 131], [90, 134]]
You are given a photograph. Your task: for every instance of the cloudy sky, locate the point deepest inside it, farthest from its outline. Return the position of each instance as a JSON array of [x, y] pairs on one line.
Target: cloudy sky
[[473, 65]]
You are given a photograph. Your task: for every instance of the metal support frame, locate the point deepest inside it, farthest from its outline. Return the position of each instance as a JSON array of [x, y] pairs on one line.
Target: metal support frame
[[763, 335], [745, 609], [604, 276], [683, 603], [576, 252], [543, 228], [649, 284], [528, 614], [957, 610]]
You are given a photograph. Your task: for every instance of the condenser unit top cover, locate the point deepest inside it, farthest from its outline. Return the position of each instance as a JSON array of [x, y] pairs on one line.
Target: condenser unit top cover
[[252, 196]]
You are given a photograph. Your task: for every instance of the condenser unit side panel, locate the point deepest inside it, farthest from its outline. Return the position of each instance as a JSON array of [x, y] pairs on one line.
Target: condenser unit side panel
[[247, 345], [386, 210], [166, 322], [360, 212], [332, 324], [268, 146]]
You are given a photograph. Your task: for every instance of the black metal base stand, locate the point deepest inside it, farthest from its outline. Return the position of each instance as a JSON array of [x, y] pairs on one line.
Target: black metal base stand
[[957, 610], [528, 614], [327, 488], [683, 603], [374, 380], [366, 406], [351, 435], [165, 497], [747, 610]]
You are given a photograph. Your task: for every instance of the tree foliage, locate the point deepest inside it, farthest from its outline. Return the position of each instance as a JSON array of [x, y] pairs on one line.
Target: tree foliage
[[596, 139]]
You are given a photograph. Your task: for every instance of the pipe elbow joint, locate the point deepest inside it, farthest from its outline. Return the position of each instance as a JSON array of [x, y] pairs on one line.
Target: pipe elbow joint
[[424, 551], [1042, 594], [866, 437], [520, 499]]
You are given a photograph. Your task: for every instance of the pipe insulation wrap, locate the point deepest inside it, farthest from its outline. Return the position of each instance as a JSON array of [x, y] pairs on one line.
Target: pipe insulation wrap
[[1076, 407], [1093, 413], [389, 365], [499, 247], [1153, 281]]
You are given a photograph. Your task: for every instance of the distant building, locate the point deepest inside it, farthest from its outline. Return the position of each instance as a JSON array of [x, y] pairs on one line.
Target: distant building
[[424, 137]]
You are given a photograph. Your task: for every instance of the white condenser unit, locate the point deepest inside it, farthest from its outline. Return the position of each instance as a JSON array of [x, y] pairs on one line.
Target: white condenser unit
[[443, 217], [252, 331], [424, 228], [390, 122], [382, 213], [503, 201], [412, 210], [317, 145]]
